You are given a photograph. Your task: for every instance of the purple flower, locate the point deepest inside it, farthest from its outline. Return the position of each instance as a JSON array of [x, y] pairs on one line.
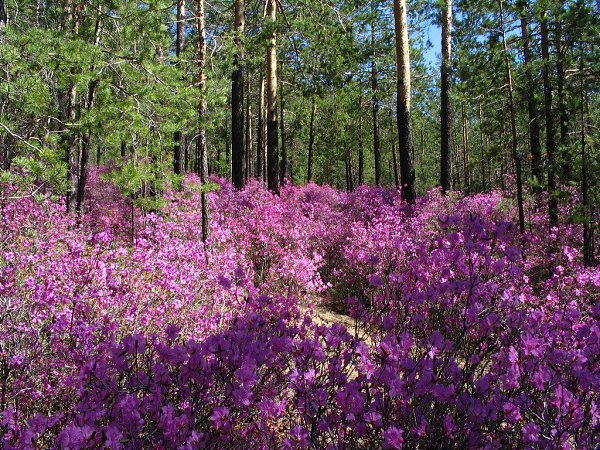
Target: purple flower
[[220, 417], [530, 432], [376, 281], [224, 282], [392, 438]]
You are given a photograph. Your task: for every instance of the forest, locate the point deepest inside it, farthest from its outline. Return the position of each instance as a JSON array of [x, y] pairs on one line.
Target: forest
[[309, 224]]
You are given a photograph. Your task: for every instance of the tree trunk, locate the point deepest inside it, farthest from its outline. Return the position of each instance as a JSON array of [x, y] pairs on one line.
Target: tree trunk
[[85, 147], [482, 151], [407, 170], [534, 125], [446, 107], [272, 128], [260, 132], [180, 38], [237, 99], [563, 120], [201, 141], [85, 150], [179, 43], [375, 108], [361, 150], [71, 157], [349, 172], [465, 148], [3, 17], [588, 230], [311, 139], [283, 172], [394, 155], [550, 139], [513, 124], [249, 139]]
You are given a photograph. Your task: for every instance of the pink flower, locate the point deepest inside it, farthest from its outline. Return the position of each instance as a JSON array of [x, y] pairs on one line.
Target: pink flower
[[392, 438]]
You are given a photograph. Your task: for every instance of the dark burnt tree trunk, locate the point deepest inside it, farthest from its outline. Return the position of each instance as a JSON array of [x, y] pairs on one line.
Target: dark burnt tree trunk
[[513, 124], [237, 99], [201, 141], [283, 171], [563, 120], [535, 149], [85, 143], [588, 224], [550, 138], [260, 132], [272, 125], [404, 119], [249, 166], [179, 43], [85, 151], [375, 109], [446, 107]]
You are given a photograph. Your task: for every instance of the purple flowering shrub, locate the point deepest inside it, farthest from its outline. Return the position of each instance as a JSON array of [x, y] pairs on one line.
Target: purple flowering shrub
[[467, 335]]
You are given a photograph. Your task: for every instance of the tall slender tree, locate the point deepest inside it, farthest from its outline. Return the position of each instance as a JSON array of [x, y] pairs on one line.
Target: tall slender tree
[[202, 153], [260, 132], [550, 137], [446, 107], [283, 171], [532, 109], [404, 119], [513, 123], [179, 44], [272, 127], [375, 103], [238, 159], [85, 142]]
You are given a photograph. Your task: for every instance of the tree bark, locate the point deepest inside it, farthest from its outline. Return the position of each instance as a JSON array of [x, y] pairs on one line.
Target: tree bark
[[260, 132], [311, 139], [179, 44], [349, 171], [465, 148], [563, 120], [513, 124], [272, 126], [407, 170], [588, 230], [3, 18], [249, 138], [85, 144], [85, 150], [237, 99], [534, 125], [394, 155], [361, 150], [284, 156], [71, 156], [446, 107], [201, 141], [482, 150], [550, 138], [375, 110]]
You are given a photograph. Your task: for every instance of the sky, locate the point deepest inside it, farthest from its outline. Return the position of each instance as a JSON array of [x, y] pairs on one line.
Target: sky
[[434, 35]]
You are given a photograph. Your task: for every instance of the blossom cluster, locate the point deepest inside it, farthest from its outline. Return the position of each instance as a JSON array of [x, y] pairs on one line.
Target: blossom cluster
[[121, 329]]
